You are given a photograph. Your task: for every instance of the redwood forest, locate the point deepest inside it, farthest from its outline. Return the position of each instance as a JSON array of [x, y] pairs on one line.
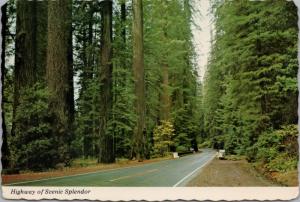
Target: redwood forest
[[103, 81]]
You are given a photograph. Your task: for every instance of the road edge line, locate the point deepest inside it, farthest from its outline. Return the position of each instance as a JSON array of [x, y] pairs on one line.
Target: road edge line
[[194, 171]]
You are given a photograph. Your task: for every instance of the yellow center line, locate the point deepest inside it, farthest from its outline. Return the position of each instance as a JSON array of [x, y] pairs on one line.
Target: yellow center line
[[135, 175]]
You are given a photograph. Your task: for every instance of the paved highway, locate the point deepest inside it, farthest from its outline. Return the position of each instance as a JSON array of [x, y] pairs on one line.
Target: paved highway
[[168, 173]]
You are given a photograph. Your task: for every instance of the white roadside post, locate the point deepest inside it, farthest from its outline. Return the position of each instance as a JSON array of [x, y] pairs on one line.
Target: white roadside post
[[175, 155], [221, 154]]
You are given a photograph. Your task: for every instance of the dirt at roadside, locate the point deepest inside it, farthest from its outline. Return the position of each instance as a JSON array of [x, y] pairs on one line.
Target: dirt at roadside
[[229, 173]]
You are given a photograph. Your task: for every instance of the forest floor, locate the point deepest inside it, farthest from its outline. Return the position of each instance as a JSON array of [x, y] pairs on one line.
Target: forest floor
[[230, 173], [79, 166]]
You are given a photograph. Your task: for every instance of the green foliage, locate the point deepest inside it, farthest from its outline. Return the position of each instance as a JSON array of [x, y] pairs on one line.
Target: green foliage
[[251, 73], [87, 121], [164, 45], [278, 149], [163, 138], [124, 117], [7, 99], [33, 146], [282, 163], [86, 51], [250, 90]]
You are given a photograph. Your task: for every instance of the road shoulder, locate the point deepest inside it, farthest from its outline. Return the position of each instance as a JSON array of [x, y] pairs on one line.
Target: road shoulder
[[229, 173]]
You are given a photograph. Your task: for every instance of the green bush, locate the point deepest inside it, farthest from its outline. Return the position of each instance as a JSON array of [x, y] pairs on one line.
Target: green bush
[[251, 153], [282, 163], [277, 150], [182, 142], [181, 148], [231, 144], [33, 147]]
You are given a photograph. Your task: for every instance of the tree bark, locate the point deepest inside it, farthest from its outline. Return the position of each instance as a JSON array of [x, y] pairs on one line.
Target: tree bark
[[4, 148], [41, 39], [123, 21], [165, 96], [106, 152], [25, 52], [30, 48], [60, 74], [139, 77]]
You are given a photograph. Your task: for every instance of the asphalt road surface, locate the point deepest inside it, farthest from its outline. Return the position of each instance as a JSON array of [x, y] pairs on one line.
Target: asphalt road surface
[[168, 173]]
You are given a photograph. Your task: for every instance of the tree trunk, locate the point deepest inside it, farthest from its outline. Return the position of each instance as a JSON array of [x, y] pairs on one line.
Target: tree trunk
[[60, 74], [4, 148], [165, 96], [41, 39], [187, 9], [25, 52], [106, 152], [139, 77], [89, 71], [123, 21], [87, 76]]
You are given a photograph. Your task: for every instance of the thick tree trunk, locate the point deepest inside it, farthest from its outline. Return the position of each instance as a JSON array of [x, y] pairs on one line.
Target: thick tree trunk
[[60, 74], [30, 48], [25, 52], [165, 96], [41, 39], [106, 153], [139, 77], [4, 148]]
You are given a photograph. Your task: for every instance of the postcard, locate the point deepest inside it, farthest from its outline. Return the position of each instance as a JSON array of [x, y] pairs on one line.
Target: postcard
[[149, 100]]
